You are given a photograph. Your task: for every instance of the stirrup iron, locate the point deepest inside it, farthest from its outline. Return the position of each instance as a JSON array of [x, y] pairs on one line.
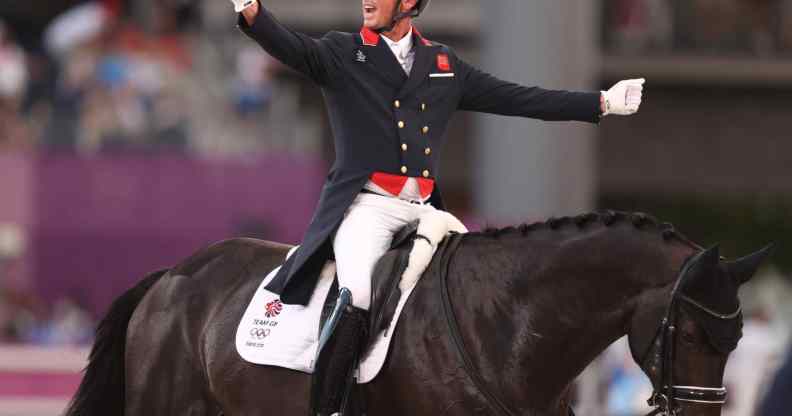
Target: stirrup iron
[[344, 300]]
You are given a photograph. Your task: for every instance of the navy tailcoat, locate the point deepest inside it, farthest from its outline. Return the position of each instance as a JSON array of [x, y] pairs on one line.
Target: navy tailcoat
[[385, 121]]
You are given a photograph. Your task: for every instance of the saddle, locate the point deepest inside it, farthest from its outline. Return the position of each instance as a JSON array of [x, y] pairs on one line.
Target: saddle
[[289, 336], [385, 291], [386, 294]]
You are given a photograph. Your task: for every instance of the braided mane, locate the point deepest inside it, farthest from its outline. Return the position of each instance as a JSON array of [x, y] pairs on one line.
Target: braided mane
[[607, 218]]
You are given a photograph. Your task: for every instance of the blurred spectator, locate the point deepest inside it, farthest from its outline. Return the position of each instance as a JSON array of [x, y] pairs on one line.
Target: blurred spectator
[[627, 386], [13, 68], [71, 88], [715, 24], [761, 24], [68, 325], [15, 134], [641, 24], [14, 131], [785, 24], [761, 27], [121, 89], [113, 77], [24, 317], [751, 364], [77, 26], [775, 402], [253, 83], [13, 305]]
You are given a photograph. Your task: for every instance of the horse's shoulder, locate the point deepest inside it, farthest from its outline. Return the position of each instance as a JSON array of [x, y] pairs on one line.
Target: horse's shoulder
[[241, 249]]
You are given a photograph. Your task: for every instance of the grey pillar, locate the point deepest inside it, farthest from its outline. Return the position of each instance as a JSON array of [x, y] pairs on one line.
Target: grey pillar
[[527, 169]]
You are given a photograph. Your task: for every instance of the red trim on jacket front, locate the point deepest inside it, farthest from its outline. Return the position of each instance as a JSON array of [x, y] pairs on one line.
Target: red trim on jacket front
[[394, 184], [426, 186]]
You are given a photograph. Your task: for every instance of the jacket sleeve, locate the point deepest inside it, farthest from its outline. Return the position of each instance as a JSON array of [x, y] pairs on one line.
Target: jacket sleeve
[[315, 58], [484, 93]]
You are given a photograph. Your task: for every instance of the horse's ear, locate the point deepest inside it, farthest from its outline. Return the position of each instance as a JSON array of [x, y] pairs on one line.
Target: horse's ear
[[706, 260], [701, 267], [742, 270]]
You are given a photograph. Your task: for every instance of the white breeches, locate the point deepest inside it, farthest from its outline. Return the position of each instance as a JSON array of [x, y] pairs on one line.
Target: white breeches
[[365, 235]]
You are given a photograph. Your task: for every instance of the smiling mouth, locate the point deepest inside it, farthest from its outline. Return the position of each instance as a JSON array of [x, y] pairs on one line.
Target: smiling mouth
[[368, 9]]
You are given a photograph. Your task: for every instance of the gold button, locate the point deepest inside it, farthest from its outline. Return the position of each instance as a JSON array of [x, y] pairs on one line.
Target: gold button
[[404, 169], [423, 107], [401, 124], [404, 147], [425, 130], [426, 174], [397, 104], [428, 151]]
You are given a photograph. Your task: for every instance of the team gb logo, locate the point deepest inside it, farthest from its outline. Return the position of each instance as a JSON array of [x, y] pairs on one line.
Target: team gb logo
[[274, 308]]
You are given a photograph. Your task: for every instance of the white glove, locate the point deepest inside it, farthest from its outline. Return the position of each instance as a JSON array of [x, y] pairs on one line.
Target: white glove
[[624, 98], [240, 5]]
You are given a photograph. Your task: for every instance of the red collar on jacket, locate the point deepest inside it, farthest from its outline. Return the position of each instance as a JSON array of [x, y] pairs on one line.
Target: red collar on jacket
[[372, 38]]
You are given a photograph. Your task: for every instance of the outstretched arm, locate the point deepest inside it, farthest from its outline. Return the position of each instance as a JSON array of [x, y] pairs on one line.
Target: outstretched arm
[[482, 92], [313, 57]]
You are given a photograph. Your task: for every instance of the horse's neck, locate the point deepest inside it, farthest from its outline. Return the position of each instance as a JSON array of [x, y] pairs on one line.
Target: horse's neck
[[541, 319]]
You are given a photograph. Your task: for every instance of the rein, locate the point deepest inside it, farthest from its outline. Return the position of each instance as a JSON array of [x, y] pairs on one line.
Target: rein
[[493, 402], [666, 394]]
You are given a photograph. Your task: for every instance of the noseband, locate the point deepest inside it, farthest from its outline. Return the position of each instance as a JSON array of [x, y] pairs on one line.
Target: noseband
[[666, 395]]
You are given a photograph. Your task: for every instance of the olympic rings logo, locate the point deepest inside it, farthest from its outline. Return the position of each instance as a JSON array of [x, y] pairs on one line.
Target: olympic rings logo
[[259, 333]]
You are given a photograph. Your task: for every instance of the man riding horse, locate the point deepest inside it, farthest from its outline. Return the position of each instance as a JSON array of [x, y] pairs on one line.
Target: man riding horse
[[390, 94]]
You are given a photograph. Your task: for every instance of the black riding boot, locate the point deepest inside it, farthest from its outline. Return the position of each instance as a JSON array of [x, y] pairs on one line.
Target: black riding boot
[[337, 358]]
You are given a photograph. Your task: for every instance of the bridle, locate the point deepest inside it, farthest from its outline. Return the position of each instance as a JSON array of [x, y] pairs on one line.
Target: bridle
[[667, 395]]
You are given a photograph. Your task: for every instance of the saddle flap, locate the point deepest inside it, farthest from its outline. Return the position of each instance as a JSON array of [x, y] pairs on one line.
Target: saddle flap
[[385, 291]]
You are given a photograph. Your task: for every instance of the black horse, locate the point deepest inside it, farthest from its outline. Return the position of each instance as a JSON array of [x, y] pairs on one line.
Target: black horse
[[519, 314]]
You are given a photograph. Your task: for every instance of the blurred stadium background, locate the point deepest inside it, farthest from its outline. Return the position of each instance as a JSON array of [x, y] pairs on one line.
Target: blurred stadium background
[[134, 132]]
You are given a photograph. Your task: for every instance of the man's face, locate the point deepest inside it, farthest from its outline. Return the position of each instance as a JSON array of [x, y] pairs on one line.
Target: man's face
[[378, 13]]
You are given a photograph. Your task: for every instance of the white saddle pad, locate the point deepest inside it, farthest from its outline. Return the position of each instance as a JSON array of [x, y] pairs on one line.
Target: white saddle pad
[[276, 334], [273, 333]]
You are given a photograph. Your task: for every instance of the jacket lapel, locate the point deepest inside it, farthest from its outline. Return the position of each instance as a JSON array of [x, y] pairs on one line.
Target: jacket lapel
[[425, 55], [378, 55]]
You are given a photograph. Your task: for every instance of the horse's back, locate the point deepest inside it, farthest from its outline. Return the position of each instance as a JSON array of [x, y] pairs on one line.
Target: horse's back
[[240, 250], [198, 304], [212, 277]]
